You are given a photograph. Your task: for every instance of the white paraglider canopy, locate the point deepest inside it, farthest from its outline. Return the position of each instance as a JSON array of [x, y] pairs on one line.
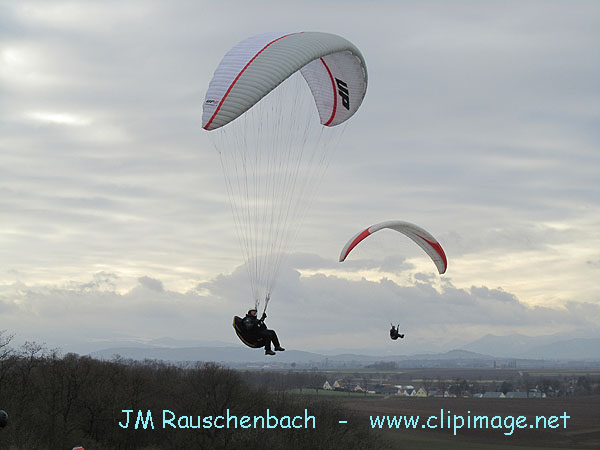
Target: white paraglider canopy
[[423, 238], [333, 68]]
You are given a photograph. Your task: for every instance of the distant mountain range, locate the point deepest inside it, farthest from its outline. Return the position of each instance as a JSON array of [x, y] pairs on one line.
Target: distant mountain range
[[239, 354], [488, 348], [537, 347]]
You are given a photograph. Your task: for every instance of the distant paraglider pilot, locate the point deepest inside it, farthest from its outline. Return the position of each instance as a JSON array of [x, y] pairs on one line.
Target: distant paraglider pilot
[[394, 332]]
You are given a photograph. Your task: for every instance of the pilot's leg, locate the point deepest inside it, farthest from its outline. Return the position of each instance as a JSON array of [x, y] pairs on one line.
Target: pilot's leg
[[275, 339]]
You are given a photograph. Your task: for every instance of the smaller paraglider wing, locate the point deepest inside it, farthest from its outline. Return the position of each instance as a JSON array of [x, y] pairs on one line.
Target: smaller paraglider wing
[[424, 239], [249, 339]]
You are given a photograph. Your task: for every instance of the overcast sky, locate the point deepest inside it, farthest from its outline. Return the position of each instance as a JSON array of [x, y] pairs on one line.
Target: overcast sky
[[481, 123]]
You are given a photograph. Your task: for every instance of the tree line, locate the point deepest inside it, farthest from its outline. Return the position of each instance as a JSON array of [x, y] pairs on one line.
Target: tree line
[[59, 401]]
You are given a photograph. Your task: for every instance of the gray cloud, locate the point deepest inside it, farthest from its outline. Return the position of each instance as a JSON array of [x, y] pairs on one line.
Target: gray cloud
[[312, 312], [151, 284], [314, 306]]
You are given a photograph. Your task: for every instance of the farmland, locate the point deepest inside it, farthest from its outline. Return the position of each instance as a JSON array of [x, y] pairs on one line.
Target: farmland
[[582, 430]]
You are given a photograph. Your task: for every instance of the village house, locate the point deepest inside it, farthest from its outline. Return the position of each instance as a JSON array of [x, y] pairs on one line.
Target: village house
[[516, 394], [493, 395], [421, 392], [535, 393], [438, 393], [387, 390], [406, 391]]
